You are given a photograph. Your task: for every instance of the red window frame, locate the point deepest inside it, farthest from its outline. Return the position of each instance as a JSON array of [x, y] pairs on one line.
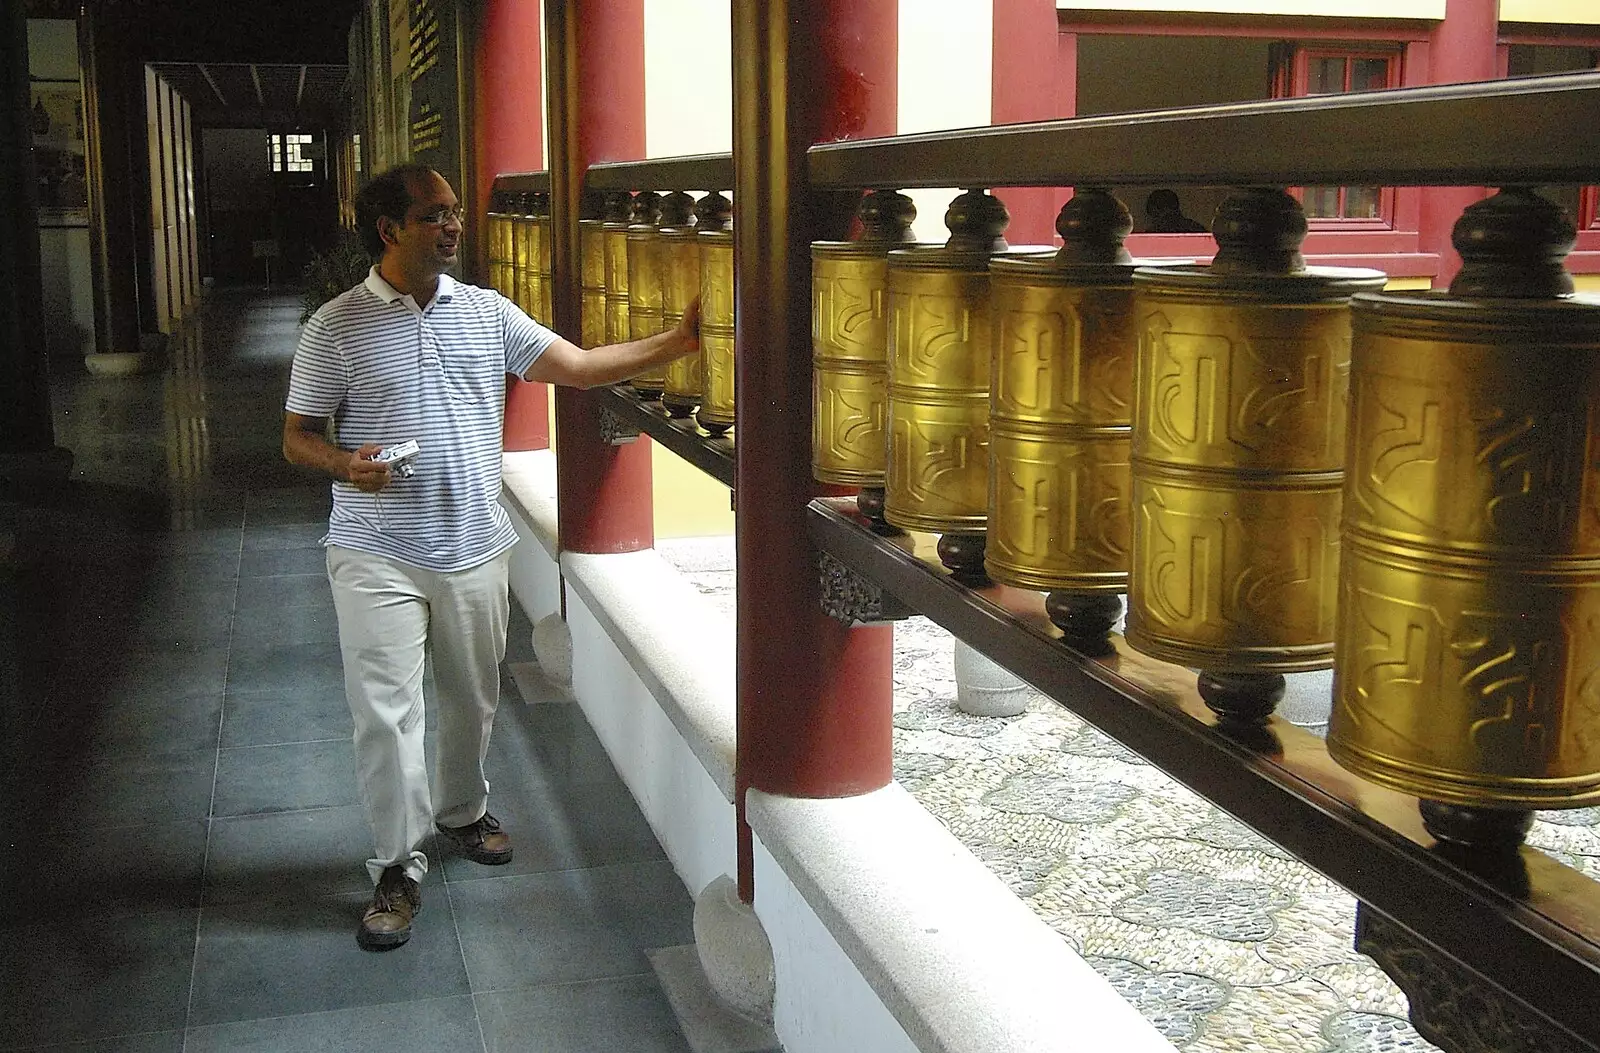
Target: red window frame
[[1292, 78]]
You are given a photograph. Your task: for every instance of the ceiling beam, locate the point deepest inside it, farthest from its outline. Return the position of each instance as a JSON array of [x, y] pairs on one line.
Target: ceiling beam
[[256, 78], [212, 81]]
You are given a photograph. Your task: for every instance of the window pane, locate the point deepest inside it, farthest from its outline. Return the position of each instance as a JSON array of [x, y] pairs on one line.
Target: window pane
[[1325, 76], [1369, 74], [1322, 202], [1361, 202]]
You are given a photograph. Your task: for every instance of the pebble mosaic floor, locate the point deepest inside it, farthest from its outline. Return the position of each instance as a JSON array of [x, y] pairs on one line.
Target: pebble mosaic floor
[[1222, 940]]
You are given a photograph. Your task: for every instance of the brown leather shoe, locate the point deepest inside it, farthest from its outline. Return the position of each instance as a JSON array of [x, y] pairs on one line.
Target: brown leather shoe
[[482, 842], [387, 922]]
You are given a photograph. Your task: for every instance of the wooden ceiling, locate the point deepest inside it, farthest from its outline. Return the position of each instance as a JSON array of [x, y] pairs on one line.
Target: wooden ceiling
[[261, 95]]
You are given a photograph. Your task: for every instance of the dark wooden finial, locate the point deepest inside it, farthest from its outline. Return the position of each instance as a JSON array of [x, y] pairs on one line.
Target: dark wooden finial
[[677, 208], [646, 208], [977, 221], [1259, 230], [963, 555], [1482, 829], [886, 215], [1085, 619], [619, 207], [1242, 698], [591, 204], [1092, 226], [1513, 244], [713, 212]]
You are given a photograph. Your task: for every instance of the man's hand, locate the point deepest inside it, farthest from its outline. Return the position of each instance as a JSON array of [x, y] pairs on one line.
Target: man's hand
[[364, 473], [688, 330]]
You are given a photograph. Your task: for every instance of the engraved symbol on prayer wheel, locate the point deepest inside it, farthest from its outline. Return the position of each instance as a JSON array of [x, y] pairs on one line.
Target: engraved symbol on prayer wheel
[[850, 344], [644, 283], [715, 238], [619, 209], [592, 269], [937, 475], [1468, 667], [683, 378], [1060, 419], [1238, 453]]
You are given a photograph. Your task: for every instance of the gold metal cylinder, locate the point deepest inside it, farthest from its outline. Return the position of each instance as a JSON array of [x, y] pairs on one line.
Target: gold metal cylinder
[[592, 294], [1238, 451], [850, 344], [1238, 455], [715, 238], [1468, 665], [544, 275], [501, 254], [1061, 410], [684, 378], [937, 472], [522, 279], [615, 237], [644, 283]]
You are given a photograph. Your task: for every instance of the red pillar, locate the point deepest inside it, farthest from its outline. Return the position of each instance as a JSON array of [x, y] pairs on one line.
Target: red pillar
[[596, 71], [815, 698], [1461, 48], [1034, 78], [509, 123]]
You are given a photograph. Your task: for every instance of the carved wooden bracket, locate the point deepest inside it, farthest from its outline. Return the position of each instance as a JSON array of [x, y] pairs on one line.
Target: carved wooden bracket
[[850, 598], [1453, 1006], [614, 430]]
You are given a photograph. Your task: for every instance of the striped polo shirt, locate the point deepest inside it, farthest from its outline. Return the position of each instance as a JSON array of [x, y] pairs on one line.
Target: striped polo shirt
[[386, 371]]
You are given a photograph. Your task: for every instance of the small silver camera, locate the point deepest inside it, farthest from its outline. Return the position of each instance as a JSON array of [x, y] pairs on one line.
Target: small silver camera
[[399, 457]]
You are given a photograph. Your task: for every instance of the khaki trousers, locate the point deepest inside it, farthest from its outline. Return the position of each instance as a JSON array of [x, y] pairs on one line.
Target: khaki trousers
[[393, 617]]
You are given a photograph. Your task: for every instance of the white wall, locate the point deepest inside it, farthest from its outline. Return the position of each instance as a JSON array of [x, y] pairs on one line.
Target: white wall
[[945, 69], [688, 78]]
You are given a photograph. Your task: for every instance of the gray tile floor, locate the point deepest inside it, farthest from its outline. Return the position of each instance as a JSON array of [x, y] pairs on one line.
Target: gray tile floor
[[181, 864]]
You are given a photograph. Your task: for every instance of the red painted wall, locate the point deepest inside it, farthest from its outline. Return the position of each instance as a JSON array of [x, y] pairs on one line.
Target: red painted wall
[[1464, 47], [508, 105], [604, 492]]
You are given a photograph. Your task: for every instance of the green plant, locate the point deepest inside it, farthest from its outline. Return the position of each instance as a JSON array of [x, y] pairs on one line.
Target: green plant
[[341, 268]]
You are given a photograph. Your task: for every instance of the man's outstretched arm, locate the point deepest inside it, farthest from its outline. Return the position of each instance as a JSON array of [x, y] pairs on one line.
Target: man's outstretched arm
[[567, 364]]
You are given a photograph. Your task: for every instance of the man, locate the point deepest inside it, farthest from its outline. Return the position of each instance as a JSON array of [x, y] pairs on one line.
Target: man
[[418, 561], [1164, 215]]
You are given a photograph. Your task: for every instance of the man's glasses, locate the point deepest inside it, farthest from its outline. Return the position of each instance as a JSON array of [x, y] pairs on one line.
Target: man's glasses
[[440, 216]]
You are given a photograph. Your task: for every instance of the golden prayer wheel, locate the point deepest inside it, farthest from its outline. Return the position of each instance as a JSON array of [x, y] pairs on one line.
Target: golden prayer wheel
[[850, 347], [644, 284], [1469, 625], [1238, 455], [544, 276], [592, 270], [937, 473], [501, 254], [715, 237], [619, 207], [679, 253], [1061, 419], [522, 247]]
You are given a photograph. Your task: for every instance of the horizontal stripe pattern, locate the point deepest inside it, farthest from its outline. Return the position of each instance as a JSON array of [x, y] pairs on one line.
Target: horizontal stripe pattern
[[387, 371]]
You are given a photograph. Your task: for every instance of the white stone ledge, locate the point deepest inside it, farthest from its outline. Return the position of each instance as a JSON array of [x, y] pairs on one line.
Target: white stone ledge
[[529, 490], [955, 956], [676, 642]]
